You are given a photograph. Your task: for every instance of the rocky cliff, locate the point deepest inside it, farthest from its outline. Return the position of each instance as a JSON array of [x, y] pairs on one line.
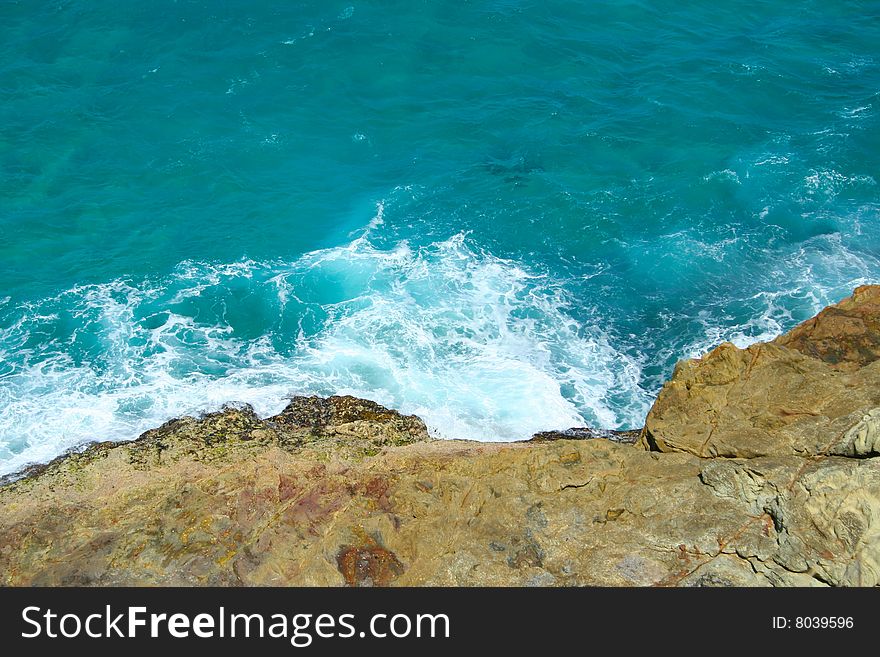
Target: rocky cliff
[[756, 467]]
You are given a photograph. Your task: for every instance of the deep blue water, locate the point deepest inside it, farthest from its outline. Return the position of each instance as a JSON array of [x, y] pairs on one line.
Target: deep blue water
[[505, 216]]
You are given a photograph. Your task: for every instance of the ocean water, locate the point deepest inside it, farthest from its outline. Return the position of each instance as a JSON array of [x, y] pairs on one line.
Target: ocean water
[[505, 216]]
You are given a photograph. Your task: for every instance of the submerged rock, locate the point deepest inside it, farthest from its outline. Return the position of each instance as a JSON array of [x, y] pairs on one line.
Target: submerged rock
[[342, 491]]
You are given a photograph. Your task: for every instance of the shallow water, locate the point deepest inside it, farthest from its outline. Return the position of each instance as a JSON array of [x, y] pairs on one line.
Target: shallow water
[[503, 216]]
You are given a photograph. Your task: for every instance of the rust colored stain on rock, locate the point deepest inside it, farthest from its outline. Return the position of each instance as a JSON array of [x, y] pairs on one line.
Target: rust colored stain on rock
[[370, 565]]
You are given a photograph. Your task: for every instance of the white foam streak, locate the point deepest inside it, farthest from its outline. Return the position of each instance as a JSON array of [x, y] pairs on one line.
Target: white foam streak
[[803, 278], [475, 344]]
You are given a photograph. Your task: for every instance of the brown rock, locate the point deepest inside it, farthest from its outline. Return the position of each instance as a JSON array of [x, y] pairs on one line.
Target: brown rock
[[588, 433], [846, 335], [801, 394], [349, 417], [564, 512], [345, 492], [368, 564]]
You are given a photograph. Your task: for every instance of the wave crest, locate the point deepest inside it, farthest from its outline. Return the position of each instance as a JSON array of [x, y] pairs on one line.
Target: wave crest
[[477, 345]]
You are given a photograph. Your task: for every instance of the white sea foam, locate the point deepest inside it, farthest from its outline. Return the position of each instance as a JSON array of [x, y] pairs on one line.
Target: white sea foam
[[821, 272], [725, 174], [772, 158], [826, 184], [477, 345]]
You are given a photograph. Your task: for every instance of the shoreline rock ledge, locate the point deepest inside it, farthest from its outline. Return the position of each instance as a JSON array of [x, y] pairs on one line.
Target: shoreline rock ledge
[[756, 467]]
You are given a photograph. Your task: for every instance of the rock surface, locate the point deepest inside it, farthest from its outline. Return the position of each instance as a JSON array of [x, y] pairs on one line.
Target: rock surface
[[756, 467], [803, 393]]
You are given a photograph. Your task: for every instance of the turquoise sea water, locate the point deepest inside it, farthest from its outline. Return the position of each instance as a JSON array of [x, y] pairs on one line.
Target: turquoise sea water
[[505, 216]]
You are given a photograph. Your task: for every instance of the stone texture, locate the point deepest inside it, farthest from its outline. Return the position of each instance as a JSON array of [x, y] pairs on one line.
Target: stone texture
[[249, 510], [846, 335], [805, 393], [342, 491], [588, 433]]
